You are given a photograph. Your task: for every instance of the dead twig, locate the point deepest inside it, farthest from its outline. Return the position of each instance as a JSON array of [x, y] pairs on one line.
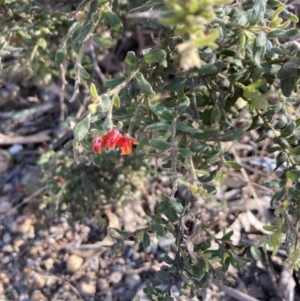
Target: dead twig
[[37, 138], [234, 293], [193, 98], [153, 14], [96, 64], [25, 201], [247, 179]]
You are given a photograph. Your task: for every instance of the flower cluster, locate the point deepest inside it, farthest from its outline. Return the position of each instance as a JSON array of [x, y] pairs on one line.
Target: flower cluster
[[114, 139]]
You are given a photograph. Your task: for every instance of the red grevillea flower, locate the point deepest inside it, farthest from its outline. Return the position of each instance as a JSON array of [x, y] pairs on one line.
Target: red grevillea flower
[[125, 144], [112, 138], [98, 144]]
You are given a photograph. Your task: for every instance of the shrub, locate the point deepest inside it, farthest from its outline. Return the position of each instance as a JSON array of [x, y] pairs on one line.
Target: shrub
[[217, 70]]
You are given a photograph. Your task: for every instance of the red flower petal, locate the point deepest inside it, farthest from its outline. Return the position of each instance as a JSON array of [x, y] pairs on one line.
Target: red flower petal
[[112, 138], [98, 144], [125, 144]]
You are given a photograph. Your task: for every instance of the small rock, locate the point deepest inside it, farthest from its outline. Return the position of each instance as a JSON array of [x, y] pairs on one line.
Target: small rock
[[8, 249], [5, 204], [115, 277], [133, 280], [5, 161], [40, 281], [23, 224], [18, 242], [69, 235], [33, 251], [74, 262], [48, 263], [7, 188], [6, 238], [30, 234], [87, 286], [43, 233], [37, 296], [102, 285]]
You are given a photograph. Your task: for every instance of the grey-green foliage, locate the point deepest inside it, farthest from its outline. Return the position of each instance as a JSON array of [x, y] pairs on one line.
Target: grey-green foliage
[[213, 65]]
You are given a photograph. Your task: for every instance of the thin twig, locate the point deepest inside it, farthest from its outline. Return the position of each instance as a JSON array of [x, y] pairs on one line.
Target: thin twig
[[234, 293], [95, 63], [78, 61], [174, 158], [247, 179], [193, 97], [153, 14], [62, 93], [25, 201], [37, 138]]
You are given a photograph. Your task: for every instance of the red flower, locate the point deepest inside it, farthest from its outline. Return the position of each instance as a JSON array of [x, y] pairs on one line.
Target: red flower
[[98, 144], [112, 138], [125, 144]]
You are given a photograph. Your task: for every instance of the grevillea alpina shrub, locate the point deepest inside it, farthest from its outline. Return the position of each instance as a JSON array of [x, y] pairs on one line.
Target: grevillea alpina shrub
[[213, 65]]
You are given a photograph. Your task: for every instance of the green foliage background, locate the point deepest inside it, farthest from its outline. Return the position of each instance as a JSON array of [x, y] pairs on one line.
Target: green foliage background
[[217, 70]]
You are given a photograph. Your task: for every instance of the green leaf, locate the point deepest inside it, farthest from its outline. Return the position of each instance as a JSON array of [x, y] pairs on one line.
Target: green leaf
[[211, 69], [93, 91], [93, 107], [104, 103], [289, 129], [162, 112], [97, 159], [277, 197], [274, 148], [82, 128], [158, 126], [233, 165], [255, 252], [295, 151], [160, 144], [176, 205], [180, 126], [60, 55], [293, 174], [146, 242], [227, 235], [279, 33], [289, 68], [281, 158], [113, 20], [207, 178], [80, 33], [257, 122], [185, 152], [142, 145], [112, 83], [287, 85], [123, 233], [293, 18], [183, 106], [103, 41], [130, 62], [155, 56], [270, 228], [256, 85], [142, 84], [177, 84], [259, 47], [257, 12], [83, 73], [281, 123]]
